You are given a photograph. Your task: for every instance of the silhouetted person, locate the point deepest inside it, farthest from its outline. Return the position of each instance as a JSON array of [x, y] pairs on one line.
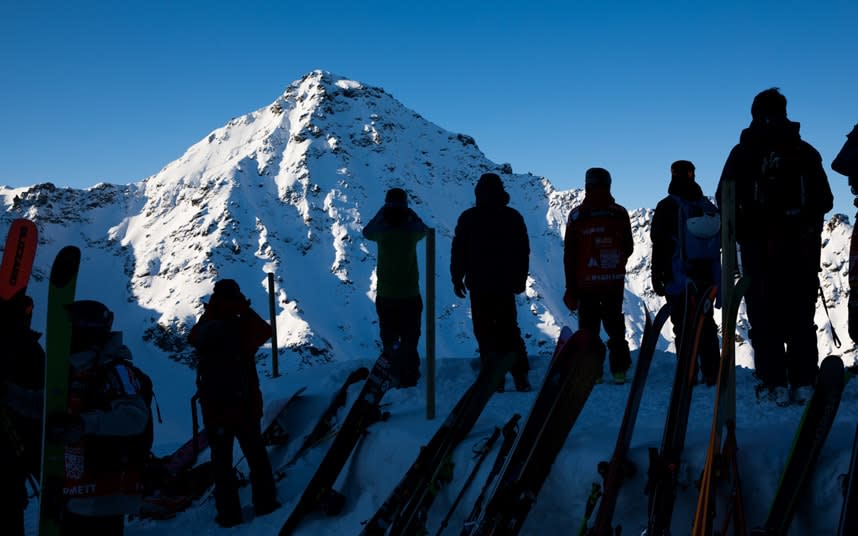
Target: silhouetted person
[[226, 337], [597, 243], [490, 258], [782, 195], [686, 259], [397, 229], [846, 163]]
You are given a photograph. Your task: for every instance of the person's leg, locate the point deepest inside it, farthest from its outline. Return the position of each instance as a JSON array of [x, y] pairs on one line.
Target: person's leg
[[615, 326], [227, 502], [386, 322], [509, 334], [802, 354], [262, 485], [761, 300], [412, 316]]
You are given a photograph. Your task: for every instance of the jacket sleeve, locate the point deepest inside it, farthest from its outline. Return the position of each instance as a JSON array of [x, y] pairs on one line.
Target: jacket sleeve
[[661, 233], [823, 198], [628, 238], [522, 255], [459, 249], [374, 228], [256, 330], [416, 226], [569, 258]]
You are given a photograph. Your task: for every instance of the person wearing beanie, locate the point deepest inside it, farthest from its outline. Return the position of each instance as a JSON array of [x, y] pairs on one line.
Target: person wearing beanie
[[397, 229], [596, 245], [226, 338], [846, 163], [682, 281], [490, 258], [781, 197]]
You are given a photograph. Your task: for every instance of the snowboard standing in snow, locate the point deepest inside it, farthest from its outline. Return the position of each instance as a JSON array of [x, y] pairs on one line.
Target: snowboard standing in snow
[[404, 511], [714, 465], [807, 444], [570, 379], [61, 289], [617, 468], [319, 493], [325, 425], [664, 463]]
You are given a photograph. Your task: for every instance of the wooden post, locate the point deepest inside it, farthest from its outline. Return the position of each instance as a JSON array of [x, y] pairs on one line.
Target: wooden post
[[272, 315], [430, 324]]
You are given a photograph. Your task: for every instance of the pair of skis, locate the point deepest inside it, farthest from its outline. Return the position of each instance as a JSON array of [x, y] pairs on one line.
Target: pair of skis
[[615, 470], [665, 462], [406, 508], [15, 270], [320, 493], [573, 372]]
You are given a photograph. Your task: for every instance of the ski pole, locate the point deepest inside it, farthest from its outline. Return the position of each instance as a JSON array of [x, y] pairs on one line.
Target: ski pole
[[481, 452], [510, 431], [592, 500]]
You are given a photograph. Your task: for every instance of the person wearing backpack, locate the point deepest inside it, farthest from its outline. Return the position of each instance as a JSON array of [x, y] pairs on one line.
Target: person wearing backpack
[[490, 257], [596, 246], [226, 338], [107, 429], [782, 195], [397, 229], [846, 163], [22, 380], [686, 259]]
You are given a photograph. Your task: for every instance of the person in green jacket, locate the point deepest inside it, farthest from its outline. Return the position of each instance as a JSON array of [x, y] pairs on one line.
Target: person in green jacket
[[397, 229]]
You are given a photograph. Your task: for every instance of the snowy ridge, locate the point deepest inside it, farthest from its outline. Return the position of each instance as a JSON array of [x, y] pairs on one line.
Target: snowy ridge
[[287, 189]]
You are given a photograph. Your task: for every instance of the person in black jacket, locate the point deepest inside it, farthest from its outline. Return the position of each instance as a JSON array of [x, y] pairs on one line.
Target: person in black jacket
[[695, 276], [21, 400], [490, 258], [846, 163], [226, 338], [782, 195]]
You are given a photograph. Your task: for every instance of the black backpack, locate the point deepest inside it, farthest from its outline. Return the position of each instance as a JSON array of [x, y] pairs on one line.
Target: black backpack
[[223, 379], [128, 450], [780, 189]]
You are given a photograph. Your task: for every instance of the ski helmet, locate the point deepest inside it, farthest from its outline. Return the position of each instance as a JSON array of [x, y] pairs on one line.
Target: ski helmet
[[90, 315]]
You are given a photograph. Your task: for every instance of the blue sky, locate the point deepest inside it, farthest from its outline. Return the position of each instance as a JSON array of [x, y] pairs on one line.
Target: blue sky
[[113, 91]]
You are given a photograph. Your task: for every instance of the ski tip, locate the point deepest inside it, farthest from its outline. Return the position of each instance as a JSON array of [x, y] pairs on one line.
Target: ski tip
[[65, 266], [358, 375], [832, 373]]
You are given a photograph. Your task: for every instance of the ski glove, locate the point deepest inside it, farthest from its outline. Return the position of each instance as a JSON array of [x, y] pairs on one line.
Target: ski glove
[[64, 428], [459, 288], [571, 300]]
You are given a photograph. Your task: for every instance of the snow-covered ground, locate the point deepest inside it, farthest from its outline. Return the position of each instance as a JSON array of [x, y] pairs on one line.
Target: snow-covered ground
[[764, 436]]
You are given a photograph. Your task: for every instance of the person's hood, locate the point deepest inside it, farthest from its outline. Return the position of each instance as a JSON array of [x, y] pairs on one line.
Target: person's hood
[[490, 191], [685, 188], [598, 196], [760, 132]]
